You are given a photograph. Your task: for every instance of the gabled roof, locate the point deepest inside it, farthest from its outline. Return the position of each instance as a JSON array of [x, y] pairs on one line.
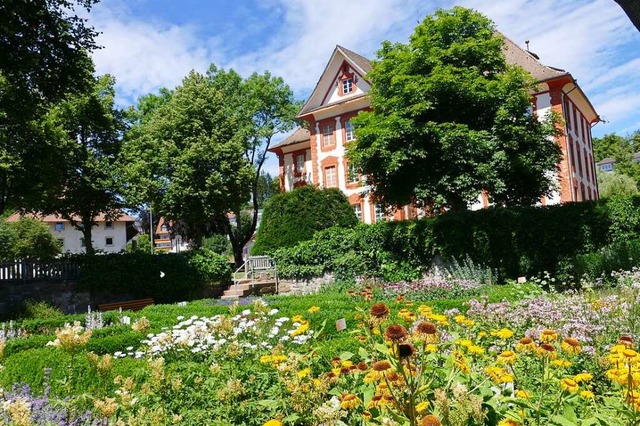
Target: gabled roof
[[607, 160], [55, 218], [299, 135], [514, 55], [359, 62]]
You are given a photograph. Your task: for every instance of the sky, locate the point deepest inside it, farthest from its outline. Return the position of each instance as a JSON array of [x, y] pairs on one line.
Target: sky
[[149, 44]]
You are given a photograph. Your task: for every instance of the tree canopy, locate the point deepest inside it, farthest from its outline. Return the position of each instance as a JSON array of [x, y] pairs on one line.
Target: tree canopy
[[451, 118], [87, 130], [291, 217], [622, 150], [44, 51]]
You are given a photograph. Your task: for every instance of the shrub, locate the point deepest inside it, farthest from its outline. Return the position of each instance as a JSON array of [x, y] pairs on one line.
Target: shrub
[[503, 242], [291, 217], [622, 255], [27, 238], [166, 278], [219, 244]]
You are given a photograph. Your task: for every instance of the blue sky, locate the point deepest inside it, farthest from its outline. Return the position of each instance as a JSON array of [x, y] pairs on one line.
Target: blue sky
[[148, 44]]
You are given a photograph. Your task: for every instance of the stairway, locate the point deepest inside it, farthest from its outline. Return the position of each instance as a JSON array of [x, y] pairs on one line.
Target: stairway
[[246, 288], [256, 277]]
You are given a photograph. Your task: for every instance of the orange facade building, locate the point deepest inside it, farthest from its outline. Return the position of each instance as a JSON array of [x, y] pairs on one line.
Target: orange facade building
[[317, 156]]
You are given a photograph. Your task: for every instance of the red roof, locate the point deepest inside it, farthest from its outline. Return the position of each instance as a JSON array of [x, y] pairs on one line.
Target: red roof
[[123, 217]]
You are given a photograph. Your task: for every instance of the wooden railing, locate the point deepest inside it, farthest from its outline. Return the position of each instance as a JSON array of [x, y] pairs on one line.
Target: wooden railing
[[29, 270]]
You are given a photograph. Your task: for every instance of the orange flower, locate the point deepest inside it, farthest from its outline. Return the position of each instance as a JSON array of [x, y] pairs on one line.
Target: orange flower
[[396, 333], [379, 310], [571, 345]]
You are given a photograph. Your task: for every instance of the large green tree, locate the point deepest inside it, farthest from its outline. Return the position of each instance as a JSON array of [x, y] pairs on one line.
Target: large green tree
[[44, 56], [186, 158], [622, 150], [244, 117], [87, 129], [451, 118]]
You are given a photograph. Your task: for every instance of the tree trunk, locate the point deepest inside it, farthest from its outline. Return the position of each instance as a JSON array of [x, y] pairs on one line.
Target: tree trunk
[[86, 234], [632, 9]]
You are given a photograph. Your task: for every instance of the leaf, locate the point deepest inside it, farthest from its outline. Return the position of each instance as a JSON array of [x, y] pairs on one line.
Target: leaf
[[269, 403], [346, 355], [561, 420]]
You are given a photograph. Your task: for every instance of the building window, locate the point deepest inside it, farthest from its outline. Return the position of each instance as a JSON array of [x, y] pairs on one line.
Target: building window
[[108, 241], [108, 225], [357, 209], [300, 163], [379, 212], [330, 177], [608, 167], [353, 175], [59, 226], [327, 136], [347, 85], [164, 228], [348, 131]]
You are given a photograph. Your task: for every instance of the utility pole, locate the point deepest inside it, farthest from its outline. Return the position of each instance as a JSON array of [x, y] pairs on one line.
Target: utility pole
[[151, 228]]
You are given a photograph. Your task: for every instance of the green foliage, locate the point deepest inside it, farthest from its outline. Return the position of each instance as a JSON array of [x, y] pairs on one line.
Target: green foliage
[[88, 127], [294, 216], [27, 238], [622, 255], [165, 278], [33, 309], [468, 270], [45, 49], [493, 244], [141, 244], [622, 149], [615, 184], [218, 243], [450, 118]]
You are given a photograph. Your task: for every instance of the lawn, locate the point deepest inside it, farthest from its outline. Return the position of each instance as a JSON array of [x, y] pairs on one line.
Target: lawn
[[507, 355]]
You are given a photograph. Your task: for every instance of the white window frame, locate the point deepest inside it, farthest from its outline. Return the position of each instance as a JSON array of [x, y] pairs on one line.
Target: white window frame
[[59, 226], [379, 212], [347, 85], [300, 160], [334, 177], [353, 175], [357, 209], [327, 135], [349, 134]]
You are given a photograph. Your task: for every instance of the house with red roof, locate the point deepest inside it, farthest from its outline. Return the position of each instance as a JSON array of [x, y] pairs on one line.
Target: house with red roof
[[108, 235], [315, 155]]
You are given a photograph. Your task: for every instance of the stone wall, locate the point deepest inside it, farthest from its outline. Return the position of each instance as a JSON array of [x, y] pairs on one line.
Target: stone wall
[[312, 285], [61, 294]]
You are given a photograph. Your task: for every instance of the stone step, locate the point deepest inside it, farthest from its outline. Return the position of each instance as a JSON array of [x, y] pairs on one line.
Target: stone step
[[248, 289]]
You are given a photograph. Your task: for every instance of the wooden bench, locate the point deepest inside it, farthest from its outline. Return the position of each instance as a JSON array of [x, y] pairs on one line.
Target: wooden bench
[[129, 305]]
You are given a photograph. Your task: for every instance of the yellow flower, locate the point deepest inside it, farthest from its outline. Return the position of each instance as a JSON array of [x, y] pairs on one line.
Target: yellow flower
[[424, 310], [507, 357], [508, 422], [439, 319], [571, 345], [587, 394], [561, 363], [583, 377], [526, 344], [499, 375], [349, 401], [475, 350], [303, 373], [421, 407], [301, 329], [503, 333], [569, 385], [431, 348], [313, 309], [482, 334], [297, 318], [407, 315], [273, 423], [523, 394], [547, 351], [548, 336]]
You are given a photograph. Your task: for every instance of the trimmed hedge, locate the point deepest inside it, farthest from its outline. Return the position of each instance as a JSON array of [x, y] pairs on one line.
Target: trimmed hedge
[[166, 278], [514, 241], [291, 217]]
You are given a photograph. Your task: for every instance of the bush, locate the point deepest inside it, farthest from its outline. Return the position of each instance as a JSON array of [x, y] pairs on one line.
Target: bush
[[166, 278], [27, 238], [219, 244], [507, 242], [622, 255], [291, 217]]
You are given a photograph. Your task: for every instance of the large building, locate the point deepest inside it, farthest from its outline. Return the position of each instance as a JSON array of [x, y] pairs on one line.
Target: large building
[[108, 236], [317, 156]]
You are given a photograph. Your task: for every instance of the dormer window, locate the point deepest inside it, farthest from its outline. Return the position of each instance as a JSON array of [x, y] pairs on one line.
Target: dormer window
[[347, 85]]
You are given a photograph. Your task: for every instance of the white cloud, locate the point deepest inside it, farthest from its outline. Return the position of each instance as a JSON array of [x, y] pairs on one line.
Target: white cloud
[[144, 56], [593, 39]]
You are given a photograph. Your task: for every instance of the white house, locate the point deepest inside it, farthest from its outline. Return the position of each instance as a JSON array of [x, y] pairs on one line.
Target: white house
[[109, 236]]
